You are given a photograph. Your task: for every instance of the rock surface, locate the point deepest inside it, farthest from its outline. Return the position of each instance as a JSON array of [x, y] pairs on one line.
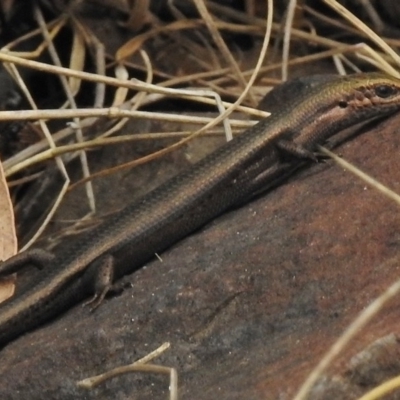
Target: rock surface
[[249, 304]]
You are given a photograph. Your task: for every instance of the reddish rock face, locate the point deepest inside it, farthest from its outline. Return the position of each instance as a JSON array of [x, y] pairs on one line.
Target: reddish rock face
[[250, 304]]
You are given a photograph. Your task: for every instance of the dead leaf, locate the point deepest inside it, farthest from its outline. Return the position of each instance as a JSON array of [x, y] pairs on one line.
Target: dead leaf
[[77, 60], [8, 238], [134, 44], [139, 15]]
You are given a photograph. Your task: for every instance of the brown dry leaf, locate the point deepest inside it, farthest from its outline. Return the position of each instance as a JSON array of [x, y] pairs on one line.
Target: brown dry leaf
[[139, 15], [7, 287], [77, 60], [8, 237], [133, 45]]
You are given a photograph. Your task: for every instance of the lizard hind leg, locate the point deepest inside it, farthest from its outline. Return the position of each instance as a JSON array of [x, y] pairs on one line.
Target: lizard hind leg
[[101, 274]]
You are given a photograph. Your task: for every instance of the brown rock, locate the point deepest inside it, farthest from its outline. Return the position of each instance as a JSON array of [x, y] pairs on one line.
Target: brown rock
[[249, 304]]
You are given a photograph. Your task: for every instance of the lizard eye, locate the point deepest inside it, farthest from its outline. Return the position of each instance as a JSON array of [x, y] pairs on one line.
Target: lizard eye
[[385, 91]]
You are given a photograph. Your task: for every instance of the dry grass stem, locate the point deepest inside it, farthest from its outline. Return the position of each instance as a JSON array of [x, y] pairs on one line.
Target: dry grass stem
[[138, 366]]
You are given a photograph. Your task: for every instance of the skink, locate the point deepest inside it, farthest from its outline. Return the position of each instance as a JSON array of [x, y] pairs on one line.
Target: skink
[[229, 176]]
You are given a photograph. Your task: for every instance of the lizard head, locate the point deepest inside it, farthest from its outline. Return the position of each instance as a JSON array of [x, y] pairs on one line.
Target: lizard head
[[371, 91]]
